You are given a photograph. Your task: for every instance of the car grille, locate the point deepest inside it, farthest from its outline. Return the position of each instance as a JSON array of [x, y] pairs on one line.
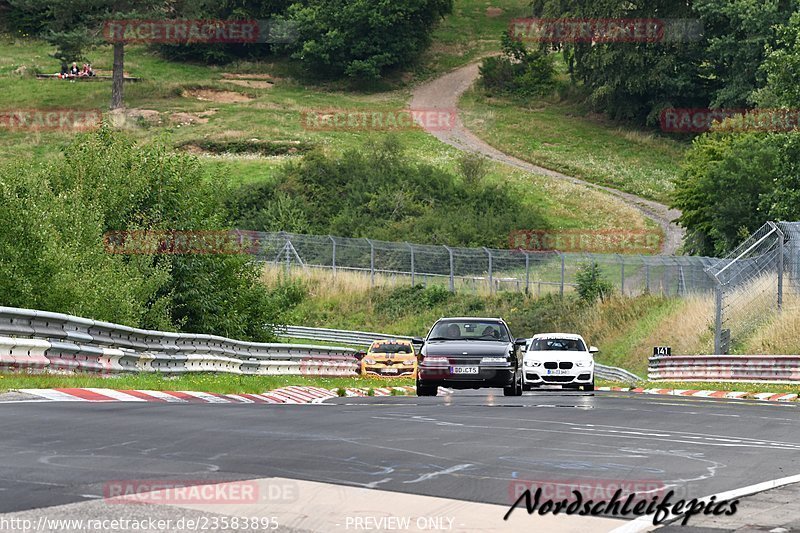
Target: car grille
[[558, 379], [564, 365]]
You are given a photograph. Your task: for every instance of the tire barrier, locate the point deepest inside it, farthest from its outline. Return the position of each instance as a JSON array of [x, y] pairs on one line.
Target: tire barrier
[[37, 341], [744, 368]]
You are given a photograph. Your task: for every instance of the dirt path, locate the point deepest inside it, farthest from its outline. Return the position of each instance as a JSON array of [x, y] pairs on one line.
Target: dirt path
[[444, 92]]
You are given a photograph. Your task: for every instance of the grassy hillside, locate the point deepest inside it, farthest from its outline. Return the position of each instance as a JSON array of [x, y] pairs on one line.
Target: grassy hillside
[[189, 105], [625, 329], [563, 136]]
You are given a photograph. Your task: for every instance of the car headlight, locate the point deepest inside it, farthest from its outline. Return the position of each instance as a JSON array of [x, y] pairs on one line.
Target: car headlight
[[531, 362], [493, 360], [369, 360], [411, 361], [583, 364]]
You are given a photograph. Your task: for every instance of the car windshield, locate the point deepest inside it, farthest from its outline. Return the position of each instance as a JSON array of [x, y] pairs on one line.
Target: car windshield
[[569, 345], [469, 330], [390, 347]]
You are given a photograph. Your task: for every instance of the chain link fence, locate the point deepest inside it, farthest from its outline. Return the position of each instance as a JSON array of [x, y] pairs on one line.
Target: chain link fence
[[751, 283], [481, 269]]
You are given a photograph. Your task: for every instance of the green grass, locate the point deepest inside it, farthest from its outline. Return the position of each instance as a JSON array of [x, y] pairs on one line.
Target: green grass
[[562, 136], [471, 31], [723, 386], [202, 382]]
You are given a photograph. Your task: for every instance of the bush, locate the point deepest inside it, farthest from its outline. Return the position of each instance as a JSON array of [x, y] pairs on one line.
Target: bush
[[723, 185], [378, 192], [247, 146], [54, 258], [518, 72], [591, 284], [362, 39]]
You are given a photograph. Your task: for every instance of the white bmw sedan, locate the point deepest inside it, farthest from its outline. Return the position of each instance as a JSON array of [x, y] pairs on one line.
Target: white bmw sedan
[[558, 359]]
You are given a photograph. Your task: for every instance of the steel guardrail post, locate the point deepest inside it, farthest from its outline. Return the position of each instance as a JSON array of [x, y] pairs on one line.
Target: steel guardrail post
[[452, 269]]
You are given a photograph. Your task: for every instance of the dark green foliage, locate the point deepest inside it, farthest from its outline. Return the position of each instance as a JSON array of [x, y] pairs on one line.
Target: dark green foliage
[[635, 80], [519, 71], [362, 39], [247, 146], [738, 34], [52, 224], [591, 285], [732, 184], [220, 53], [378, 192], [782, 68], [720, 187]]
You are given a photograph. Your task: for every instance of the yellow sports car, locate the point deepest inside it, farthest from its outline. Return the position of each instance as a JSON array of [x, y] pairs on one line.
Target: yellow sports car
[[390, 358]]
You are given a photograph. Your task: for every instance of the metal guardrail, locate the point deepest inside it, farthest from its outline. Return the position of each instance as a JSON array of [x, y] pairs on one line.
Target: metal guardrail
[[744, 368], [39, 340], [613, 373], [355, 338], [365, 338]]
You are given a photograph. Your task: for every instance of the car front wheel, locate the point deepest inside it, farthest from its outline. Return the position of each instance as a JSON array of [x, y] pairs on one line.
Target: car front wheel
[[515, 389], [589, 387]]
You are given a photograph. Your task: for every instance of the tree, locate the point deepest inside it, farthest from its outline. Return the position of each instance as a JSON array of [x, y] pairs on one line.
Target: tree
[[781, 68], [722, 188], [518, 71], [74, 26], [361, 39], [738, 33], [591, 284]]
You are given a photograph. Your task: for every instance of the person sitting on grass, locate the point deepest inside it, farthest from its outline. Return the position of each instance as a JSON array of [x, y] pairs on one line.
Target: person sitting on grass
[[74, 71], [87, 70]]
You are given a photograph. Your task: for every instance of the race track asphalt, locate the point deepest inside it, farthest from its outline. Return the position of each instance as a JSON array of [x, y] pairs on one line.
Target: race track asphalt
[[472, 445]]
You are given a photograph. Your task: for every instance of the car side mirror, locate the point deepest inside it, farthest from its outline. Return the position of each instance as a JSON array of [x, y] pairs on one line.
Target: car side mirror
[[418, 341], [593, 349], [521, 342]]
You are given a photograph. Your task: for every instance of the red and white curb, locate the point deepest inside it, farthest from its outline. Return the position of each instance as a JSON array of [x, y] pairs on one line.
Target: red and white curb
[[284, 395], [763, 396]]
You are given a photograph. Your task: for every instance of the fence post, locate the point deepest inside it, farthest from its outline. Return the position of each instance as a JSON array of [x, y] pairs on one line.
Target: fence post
[[411, 248], [647, 276], [718, 320], [491, 274], [780, 268], [286, 251], [371, 263], [452, 270], [333, 255], [561, 289], [621, 274], [527, 271]]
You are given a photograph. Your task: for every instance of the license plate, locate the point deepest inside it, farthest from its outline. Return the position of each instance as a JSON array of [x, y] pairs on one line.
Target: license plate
[[389, 371], [557, 372], [464, 370]]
